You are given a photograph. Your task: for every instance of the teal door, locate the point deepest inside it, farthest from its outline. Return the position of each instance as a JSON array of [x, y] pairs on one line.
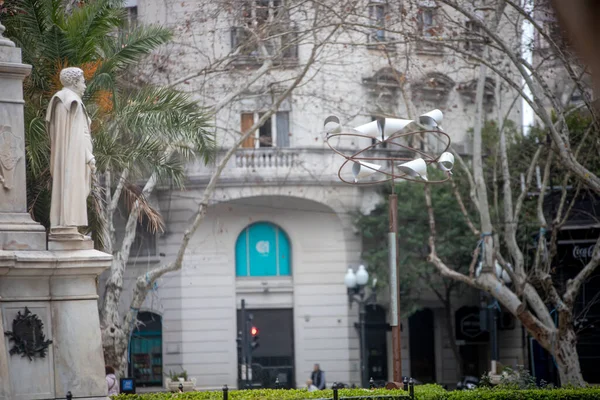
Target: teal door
[[145, 351], [263, 249]]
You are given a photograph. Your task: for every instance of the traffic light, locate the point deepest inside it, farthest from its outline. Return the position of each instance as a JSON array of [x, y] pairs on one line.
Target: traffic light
[[254, 333], [239, 340]]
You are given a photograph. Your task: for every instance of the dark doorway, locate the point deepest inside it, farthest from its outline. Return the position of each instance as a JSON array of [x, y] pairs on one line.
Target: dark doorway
[[376, 343], [422, 346], [145, 350], [474, 359], [274, 358]]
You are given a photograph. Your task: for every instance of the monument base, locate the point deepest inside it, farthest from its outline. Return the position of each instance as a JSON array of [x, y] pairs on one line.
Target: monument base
[[19, 232], [68, 238], [56, 291]]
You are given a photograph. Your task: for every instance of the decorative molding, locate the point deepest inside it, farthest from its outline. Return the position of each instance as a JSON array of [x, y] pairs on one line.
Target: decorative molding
[[434, 86], [28, 336], [11, 152], [384, 82], [467, 91]]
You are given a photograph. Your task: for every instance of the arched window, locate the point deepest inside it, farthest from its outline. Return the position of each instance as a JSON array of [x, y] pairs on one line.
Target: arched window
[[145, 350], [262, 249]]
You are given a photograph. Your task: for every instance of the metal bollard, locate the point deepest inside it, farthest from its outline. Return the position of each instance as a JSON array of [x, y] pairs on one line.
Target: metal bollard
[[69, 395], [335, 393], [411, 388], [225, 392], [371, 383], [405, 383]]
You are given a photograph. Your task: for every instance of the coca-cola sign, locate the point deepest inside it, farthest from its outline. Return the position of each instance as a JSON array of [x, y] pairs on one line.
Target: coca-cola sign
[[583, 253]]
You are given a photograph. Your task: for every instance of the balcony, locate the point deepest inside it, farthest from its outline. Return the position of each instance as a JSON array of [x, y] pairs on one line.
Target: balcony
[[276, 166]]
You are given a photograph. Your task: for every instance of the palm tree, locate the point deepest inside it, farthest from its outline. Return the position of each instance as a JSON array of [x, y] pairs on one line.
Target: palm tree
[[141, 132], [134, 126]]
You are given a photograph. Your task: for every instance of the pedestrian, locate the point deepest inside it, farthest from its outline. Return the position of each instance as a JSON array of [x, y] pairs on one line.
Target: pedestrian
[[111, 381], [318, 377], [310, 386]]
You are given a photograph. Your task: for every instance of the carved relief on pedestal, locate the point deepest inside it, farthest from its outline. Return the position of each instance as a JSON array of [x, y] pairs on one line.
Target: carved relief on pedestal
[[10, 154]]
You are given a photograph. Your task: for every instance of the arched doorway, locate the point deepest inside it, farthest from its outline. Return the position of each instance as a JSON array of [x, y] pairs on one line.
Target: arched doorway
[[145, 350], [263, 252], [422, 346]]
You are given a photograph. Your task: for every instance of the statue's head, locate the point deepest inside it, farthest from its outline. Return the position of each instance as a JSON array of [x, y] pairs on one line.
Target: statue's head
[[73, 79]]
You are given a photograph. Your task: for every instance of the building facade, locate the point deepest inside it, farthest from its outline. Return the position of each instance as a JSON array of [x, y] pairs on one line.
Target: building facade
[[279, 232]]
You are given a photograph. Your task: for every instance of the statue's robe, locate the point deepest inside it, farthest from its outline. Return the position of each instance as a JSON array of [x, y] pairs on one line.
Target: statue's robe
[[68, 126]]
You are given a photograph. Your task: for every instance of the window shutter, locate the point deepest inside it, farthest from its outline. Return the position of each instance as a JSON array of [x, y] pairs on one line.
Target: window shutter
[[283, 129], [247, 122]]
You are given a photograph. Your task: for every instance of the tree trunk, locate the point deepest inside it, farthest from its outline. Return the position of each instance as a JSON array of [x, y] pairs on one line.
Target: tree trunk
[[452, 337], [114, 343], [567, 359]]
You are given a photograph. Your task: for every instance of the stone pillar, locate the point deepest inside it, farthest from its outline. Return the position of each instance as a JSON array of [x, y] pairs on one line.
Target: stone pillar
[[58, 286], [17, 230]]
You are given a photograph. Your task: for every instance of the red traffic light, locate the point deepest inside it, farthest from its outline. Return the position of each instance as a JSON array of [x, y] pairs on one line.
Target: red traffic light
[[254, 331]]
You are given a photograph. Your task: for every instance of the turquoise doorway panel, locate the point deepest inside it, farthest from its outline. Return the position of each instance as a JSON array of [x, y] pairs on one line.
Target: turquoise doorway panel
[[263, 249]]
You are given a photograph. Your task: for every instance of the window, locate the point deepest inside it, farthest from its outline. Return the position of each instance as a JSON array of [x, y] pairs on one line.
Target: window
[[132, 13], [145, 350], [428, 27], [144, 244], [275, 132], [377, 14], [262, 249], [427, 21], [132, 16], [263, 22], [474, 39]]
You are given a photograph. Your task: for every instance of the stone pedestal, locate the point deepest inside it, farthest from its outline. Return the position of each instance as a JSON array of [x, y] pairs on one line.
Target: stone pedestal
[[60, 288], [57, 285], [17, 230]]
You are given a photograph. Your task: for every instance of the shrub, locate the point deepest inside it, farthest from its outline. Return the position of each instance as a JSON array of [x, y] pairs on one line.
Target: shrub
[[272, 394], [527, 394], [424, 392]]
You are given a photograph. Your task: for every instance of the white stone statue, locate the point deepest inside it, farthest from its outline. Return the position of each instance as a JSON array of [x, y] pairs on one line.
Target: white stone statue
[[72, 162]]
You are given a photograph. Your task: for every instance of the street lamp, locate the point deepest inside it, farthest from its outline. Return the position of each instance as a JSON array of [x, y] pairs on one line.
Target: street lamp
[[356, 284], [410, 165]]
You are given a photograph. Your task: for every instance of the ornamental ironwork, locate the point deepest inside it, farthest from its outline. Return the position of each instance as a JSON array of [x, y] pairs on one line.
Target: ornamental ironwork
[[28, 336]]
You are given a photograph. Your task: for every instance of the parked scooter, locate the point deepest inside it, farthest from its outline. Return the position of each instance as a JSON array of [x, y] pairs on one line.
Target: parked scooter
[[468, 383]]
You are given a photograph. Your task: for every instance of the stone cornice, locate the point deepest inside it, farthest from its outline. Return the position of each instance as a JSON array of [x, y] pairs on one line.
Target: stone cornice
[[53, 263], [16, 70]]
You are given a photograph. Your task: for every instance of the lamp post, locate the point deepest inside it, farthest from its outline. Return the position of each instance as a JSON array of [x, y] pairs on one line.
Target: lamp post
[[410, 165], [356, 284]]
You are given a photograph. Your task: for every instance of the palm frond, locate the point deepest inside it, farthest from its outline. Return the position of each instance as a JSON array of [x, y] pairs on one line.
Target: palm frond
[[33, 17], [88, 26], [97, 224], [37, 142], [110, 152], [133, 193], [170, 114], [151, 156], [129, 47], [38, 197]]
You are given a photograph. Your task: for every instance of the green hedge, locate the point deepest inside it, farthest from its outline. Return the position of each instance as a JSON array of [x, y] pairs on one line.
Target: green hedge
[[424, 392], [535, 394]]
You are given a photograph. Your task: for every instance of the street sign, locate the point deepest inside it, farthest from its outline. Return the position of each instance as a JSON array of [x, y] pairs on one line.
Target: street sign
[[468, 326]]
